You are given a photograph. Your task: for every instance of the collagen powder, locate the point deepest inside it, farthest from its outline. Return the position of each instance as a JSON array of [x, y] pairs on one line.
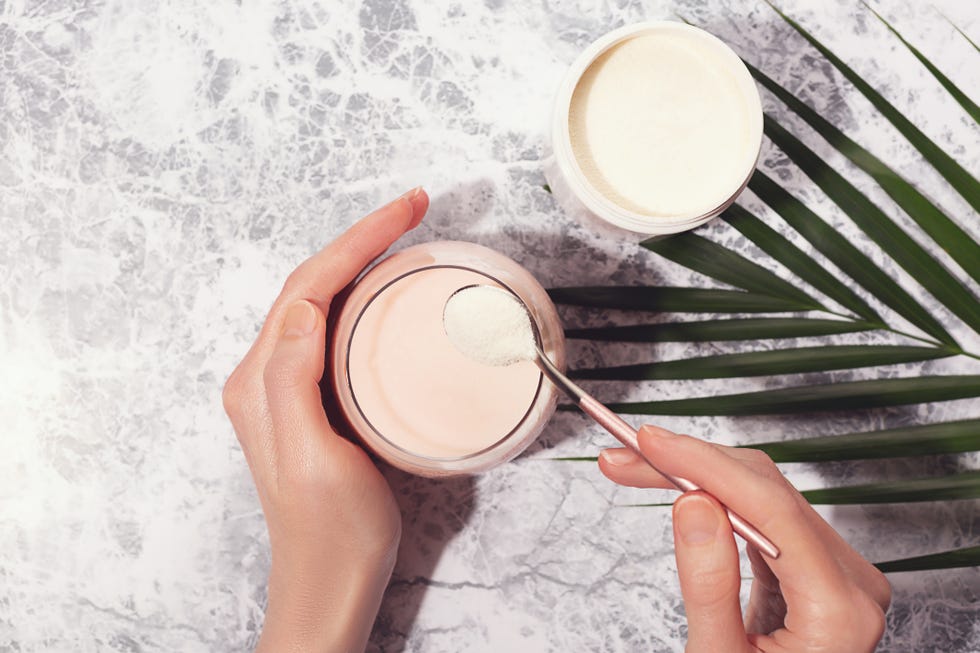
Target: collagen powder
[[661, 125], [489, 325]]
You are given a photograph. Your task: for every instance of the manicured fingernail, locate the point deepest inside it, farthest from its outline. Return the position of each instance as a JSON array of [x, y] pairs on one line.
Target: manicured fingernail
[[657, 431], [618, 456], [697, 521], [417, 198], [300, 320], [412, 194]]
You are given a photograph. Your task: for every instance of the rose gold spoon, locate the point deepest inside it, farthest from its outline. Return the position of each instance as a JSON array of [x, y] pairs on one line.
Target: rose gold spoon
[[626, 434], [493, 326]]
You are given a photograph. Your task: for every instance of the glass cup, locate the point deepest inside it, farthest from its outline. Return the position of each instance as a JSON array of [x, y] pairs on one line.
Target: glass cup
[[411, 397]]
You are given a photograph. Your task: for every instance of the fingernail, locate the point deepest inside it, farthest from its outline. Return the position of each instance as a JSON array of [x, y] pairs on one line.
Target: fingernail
[[416, 197], [657, 431], [618, 456], [412, 194], [300, 320], [697, 521]]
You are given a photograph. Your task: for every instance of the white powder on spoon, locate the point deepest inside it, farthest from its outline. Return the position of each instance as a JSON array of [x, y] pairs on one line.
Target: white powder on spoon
[[489, 325]]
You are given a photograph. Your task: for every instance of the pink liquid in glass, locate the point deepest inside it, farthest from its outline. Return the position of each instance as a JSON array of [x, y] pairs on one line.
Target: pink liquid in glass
[[409, 394]]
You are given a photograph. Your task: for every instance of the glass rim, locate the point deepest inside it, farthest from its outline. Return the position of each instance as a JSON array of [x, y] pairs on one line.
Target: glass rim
[[376, 431]]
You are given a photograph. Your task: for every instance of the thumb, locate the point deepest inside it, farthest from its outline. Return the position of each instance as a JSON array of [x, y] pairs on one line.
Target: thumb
[[707, 563], [291, 378]]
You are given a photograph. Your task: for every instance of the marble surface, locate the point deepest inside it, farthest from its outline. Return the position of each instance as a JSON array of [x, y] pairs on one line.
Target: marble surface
[[164, 165]]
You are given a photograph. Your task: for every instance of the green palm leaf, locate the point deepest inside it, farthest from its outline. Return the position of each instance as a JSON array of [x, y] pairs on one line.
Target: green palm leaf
[[965, 485], [953, 172], [873, 221], [681, 300], [966, 557], [852, 395], [713, 330], [832, 244], [765, 291], [783, 250], [968, 105], [946, 233], [921, 440], [962, 33], [708, 258], [763, 363]]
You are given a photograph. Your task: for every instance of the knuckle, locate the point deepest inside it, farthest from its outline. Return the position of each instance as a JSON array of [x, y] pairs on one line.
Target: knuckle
[[871, 619], [858, 615], [238, 397], [231, 394], [881, 589], [784, 500], [761, 458], [761, 462], [294, 280], [786, 505]]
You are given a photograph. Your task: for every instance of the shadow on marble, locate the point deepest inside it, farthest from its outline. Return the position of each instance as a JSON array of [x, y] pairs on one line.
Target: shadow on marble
[[463, 204], [434, 512]]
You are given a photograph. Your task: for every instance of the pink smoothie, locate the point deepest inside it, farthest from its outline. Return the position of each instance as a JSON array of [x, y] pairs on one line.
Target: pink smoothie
[[416, 389]]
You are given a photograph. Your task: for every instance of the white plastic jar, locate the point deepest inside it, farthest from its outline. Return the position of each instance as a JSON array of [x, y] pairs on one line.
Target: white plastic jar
[[657, 127]]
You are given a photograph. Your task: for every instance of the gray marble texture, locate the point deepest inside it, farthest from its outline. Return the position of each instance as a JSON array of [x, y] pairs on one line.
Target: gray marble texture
[[164, 165]]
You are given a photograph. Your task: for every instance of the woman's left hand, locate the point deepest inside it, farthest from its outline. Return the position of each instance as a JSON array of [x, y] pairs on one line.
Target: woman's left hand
[[333, 523]]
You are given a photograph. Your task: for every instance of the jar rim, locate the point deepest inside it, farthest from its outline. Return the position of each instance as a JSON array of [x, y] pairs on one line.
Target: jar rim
[[595, 201]]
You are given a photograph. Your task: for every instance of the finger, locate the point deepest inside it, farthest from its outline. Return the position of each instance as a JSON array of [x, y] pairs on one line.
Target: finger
[[854, 566], [861, 572], [766, 610], [707, 564], [805, 566], [622, 466], [291, 379], [244, 401], [327, 272], [761, 572]]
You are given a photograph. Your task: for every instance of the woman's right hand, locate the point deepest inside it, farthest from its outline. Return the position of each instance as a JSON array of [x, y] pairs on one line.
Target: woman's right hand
[[819, 595]]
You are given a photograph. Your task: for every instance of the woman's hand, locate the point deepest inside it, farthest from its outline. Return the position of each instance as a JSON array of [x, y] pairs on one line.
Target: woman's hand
[[333, 522], [819, 595]]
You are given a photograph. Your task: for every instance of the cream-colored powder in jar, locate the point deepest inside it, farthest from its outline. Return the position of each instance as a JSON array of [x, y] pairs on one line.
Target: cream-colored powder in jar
[[663, 123]]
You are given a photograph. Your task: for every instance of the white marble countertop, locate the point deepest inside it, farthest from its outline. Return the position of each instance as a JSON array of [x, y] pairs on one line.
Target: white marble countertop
[[163, 166]]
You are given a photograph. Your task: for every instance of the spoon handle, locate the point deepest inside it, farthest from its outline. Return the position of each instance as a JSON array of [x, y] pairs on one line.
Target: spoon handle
[[626, 434]]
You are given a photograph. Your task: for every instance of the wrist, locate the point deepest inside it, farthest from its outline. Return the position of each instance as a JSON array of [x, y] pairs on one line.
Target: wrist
[[325, 607]]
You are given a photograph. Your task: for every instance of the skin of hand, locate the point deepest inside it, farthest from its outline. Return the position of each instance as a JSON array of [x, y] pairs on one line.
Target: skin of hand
[[819, 595], [333, 523]]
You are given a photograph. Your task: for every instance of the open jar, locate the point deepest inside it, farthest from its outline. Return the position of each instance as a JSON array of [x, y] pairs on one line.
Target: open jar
[[656, 128]]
